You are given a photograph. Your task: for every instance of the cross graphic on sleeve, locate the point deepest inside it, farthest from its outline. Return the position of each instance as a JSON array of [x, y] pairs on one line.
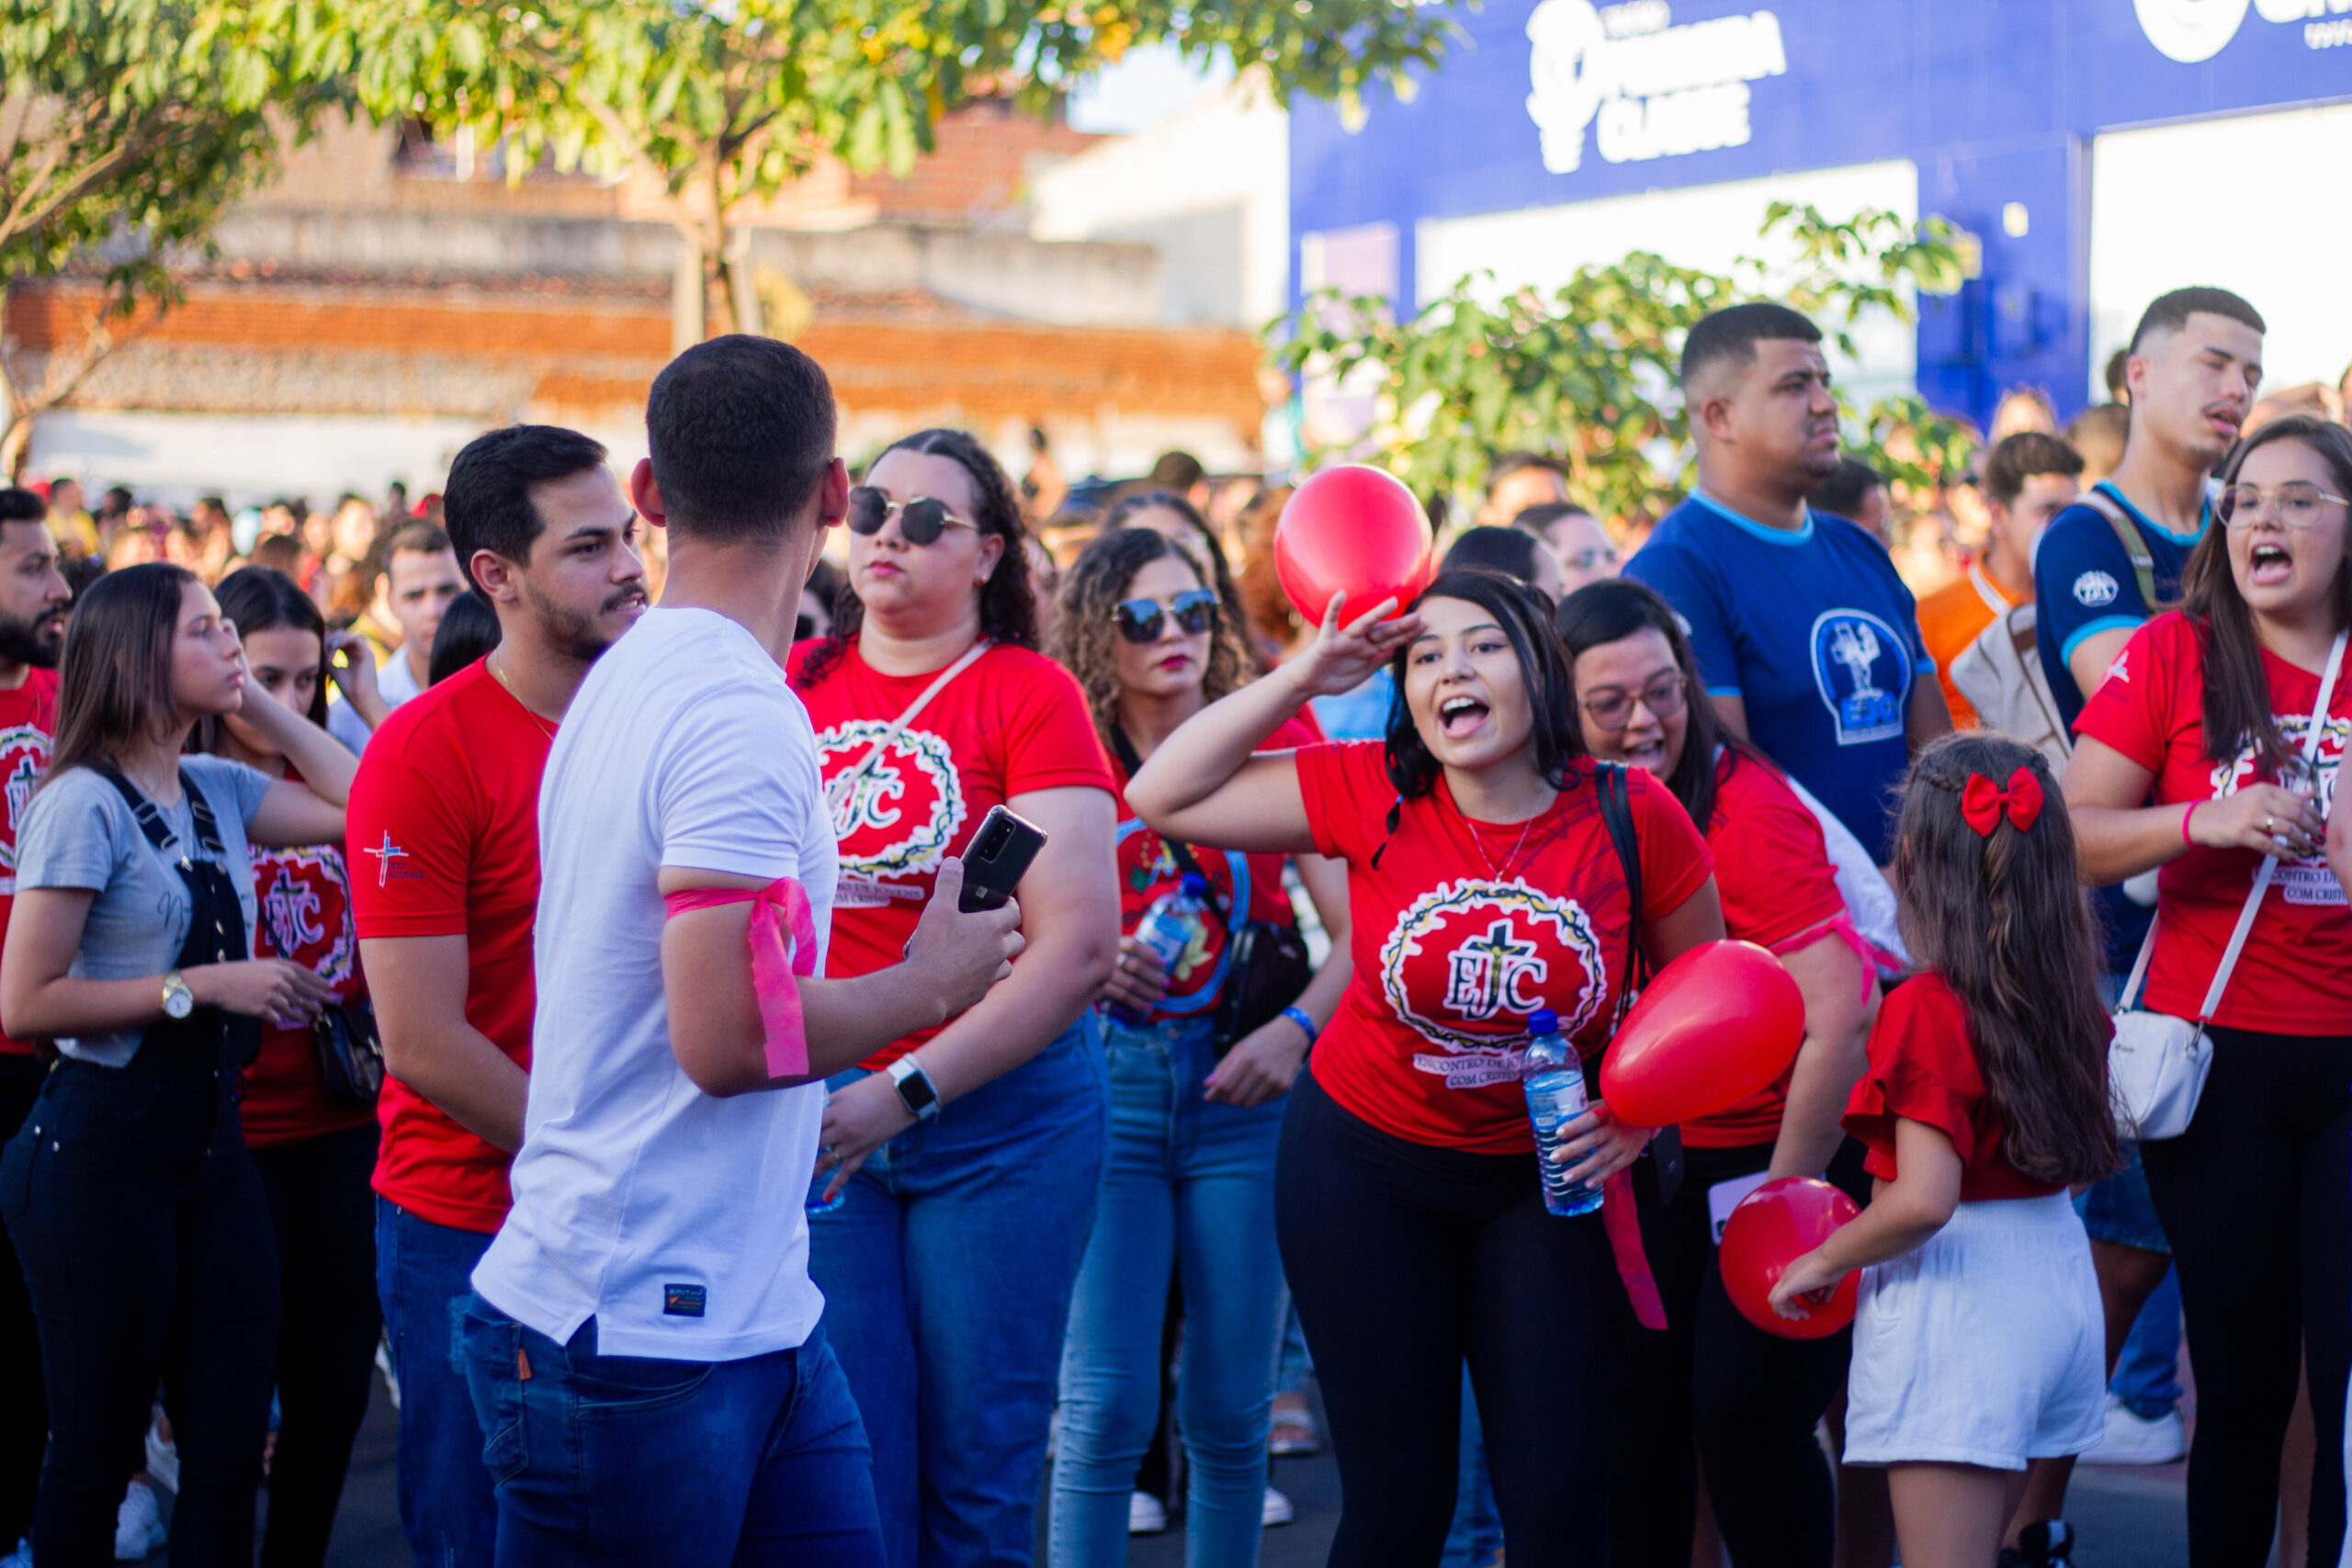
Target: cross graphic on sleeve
[[387, 854]]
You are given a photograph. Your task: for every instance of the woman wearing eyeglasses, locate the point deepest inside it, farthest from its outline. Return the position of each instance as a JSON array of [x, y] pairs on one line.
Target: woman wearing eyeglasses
[[967, 1158], [2206, 714], [1750, 1399], [1188, 1184], [1484, 886]]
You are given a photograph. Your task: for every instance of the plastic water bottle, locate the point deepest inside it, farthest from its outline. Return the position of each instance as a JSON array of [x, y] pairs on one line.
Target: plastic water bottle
[[1168, 928], [1554, 1077]]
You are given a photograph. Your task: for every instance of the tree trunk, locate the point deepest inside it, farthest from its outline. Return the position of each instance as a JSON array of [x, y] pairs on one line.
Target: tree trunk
[[16, 446], [685, 296]]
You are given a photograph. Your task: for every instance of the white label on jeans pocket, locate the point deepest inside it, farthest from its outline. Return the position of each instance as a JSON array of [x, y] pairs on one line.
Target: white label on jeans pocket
[[1725, 1196]]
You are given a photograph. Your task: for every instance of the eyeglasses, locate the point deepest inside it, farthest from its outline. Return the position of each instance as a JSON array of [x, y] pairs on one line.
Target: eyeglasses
[[1610, 710], [1585, 560], [1143, 620], [921, 520], [2295, 503]]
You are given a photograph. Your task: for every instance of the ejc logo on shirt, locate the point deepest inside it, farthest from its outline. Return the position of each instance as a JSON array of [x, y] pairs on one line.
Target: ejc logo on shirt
[[1489, 952], [894, 816], [1864, 670]]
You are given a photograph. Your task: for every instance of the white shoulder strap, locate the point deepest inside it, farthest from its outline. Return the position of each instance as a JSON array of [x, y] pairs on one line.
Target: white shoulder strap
[[2269, 863], [845, 781]]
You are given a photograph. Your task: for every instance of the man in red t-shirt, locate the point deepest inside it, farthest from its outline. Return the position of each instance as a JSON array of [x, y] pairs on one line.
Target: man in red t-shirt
[[444, 841], [33, 601]]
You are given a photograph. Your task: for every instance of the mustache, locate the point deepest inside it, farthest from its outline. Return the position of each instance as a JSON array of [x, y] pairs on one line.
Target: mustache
[[626, 597]]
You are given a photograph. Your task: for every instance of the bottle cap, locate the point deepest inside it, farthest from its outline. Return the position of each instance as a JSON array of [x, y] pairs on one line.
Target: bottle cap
[[1193, 885], [1543, 1020]]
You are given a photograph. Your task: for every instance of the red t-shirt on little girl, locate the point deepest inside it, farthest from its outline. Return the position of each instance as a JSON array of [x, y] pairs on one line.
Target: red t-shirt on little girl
[[1923, 1068], [1465, 928], [2295, 976], [1774, 873], [27, 724], [444, 827], [1011, 723]]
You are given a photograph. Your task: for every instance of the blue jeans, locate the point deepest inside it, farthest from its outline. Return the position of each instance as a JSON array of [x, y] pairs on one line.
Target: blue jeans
[[629, 1459], [1476, 1533], [425, 1278], [2120, 1210], [948, 1272], [1187, 1184]]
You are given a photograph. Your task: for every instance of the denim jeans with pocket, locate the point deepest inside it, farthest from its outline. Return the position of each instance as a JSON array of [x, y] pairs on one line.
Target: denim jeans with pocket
[[423, 1279], [1188, 1184], [631, 1459], [947, 1271]]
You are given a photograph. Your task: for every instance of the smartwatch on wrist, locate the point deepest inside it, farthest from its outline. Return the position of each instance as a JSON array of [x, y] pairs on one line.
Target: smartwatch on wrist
[[916, 1091], [178, 1000]]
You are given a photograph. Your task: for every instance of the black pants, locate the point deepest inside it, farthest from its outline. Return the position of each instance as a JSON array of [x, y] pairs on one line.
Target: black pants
[[147, 1251], [24, 1408], [325, 1218], [1747, 1398], [2256, 1197], [1403, 1259]]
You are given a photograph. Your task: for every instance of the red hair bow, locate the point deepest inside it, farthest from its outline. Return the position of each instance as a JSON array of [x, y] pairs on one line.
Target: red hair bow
[[1982, 803]]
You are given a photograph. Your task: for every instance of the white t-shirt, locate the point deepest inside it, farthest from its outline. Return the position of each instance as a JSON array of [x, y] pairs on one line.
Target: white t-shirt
[[394, 680], [678, 1221]]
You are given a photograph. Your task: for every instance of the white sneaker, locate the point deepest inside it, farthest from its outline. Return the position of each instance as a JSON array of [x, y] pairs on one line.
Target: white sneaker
[[1146, 1514], [1278, 1510], [384, 1365], [138, 1524], [2133, 1439], [163, 1458]]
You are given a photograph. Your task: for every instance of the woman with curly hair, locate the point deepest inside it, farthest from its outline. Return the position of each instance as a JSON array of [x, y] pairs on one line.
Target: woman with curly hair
[[1188, 1183], [976, 1148]]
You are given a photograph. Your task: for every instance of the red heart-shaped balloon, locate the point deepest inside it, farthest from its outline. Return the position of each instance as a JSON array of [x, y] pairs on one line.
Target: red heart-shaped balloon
[[1713, 1027], [1771, 1228], [1353, 530]]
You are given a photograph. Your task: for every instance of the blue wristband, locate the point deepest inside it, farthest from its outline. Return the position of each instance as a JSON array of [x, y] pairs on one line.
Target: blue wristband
[[1297, 1015]]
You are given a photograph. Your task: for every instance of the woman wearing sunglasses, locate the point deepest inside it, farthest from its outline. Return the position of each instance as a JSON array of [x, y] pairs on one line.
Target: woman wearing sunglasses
[[965, 1159], [1177, 520], [2191, 758], [1188, 1184], [1484, 885], [1751, 1399]]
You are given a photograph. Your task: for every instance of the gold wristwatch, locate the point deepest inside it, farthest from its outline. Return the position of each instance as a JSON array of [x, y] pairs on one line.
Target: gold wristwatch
[[178, 1000]]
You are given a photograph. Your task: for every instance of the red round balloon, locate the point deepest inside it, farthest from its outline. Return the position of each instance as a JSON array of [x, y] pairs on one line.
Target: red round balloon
[[1353, 530], [1713, 1027], [1771, 1228]]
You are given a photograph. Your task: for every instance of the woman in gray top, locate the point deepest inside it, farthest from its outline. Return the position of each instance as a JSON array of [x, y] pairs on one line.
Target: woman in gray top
[[129, 1193]]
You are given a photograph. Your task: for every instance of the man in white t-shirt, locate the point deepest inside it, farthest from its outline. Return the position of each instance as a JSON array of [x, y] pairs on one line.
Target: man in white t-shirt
[[642, 1346]]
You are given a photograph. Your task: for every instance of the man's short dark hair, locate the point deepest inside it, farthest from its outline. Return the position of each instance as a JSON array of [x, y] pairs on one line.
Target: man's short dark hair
[[1510, 552], [488, 502], [1537, 520], [1179, 471], [2117, 391], [2170, 312], [1511, 463], [2021, 456], [1841, 494], [418, 538], [22, 506], [741, 430], [1732, 335]]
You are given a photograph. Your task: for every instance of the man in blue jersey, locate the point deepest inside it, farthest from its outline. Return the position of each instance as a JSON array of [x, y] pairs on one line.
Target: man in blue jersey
[[1806, 638], [2194, 360]]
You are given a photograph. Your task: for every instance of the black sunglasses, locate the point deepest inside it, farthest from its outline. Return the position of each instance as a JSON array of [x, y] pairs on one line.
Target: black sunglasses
[[1142, 620], [921, 520]]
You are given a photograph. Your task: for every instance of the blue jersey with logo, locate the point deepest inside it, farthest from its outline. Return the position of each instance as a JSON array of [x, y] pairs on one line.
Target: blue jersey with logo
[[1814, 632], [2082, 584]]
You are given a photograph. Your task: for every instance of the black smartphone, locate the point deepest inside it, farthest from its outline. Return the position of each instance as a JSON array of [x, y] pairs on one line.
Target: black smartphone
[[997, 859]]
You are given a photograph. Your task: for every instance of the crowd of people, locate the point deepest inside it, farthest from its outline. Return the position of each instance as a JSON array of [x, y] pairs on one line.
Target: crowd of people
[[578, 977]]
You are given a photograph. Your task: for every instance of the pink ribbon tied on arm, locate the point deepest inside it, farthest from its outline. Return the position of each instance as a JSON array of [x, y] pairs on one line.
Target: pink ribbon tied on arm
[[778, 910]]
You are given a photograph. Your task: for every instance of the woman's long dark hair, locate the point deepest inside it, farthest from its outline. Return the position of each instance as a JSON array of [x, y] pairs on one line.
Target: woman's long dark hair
[[2004, 919], [1008, 605], [469, 629], [1603, 612], [1228, 591], [1083, 633], [1525, 617], [114, 678], [262, 598], [2237, 695]]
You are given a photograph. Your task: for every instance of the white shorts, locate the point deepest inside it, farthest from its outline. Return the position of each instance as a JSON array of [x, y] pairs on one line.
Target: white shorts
[[1987, 1345]]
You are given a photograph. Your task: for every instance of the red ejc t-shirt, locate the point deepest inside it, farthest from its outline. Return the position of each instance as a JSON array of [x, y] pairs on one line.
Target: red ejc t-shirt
[[304, 901], [1147, 869], [28, 722], [1465, 928], [1014, 721], [1923, 1068], [444, 828], [1773, 874], [2295, 976]]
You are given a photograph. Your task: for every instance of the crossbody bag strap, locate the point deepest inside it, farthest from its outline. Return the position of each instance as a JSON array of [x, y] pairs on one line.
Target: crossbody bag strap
[[844, 783], [2143, 565], [1617, 815], [2270, 863], [1125, 749]]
